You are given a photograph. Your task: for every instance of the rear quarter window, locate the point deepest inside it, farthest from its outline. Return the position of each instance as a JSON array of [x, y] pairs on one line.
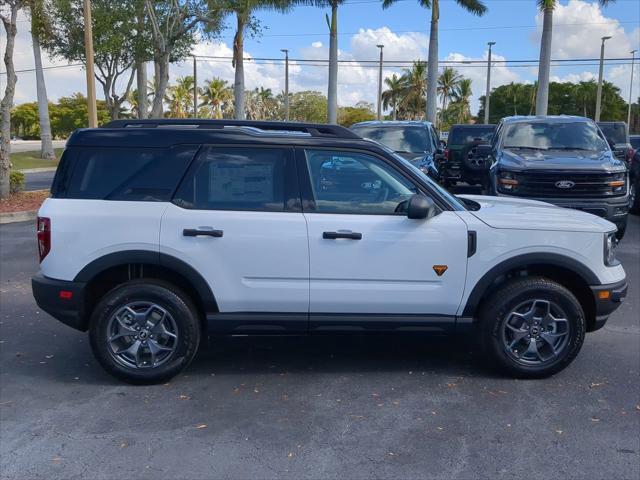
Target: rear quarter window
[[134, 174]]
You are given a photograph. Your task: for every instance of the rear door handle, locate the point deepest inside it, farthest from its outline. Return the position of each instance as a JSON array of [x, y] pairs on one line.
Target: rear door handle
[[201, 232], [336, 235]]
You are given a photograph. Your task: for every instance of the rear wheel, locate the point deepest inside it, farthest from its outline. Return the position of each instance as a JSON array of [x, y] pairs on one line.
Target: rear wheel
[[532, 327], [144, 332]]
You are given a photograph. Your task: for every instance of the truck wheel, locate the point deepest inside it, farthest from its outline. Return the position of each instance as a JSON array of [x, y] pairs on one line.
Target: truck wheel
[[144, 331], [532, 327], [622, 228]]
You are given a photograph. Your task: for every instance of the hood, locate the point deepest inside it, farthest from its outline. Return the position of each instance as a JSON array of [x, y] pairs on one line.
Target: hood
[[521, 214], [575, 160]]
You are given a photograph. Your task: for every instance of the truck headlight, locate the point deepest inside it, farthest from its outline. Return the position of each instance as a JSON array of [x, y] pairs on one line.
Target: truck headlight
[[610, 243], [507, 181]]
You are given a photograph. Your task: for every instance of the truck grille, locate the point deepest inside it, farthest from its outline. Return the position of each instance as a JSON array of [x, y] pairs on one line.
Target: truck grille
[[559, 184]]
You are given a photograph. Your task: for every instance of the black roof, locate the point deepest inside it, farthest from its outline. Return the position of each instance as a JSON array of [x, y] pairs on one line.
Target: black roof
[[473, 125], [166, 132]]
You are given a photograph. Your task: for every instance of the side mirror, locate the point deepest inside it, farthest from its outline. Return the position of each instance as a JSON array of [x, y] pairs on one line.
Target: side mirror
[[420, 207], [611, 143], [483, 150]]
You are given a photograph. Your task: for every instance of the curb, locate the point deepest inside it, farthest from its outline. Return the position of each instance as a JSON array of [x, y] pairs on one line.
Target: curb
[[15, 217], [38, 170]]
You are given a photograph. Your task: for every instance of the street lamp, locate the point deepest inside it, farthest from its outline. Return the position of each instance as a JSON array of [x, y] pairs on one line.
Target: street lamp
[[286, 83], [599, 94], [488, 93], [633, 59], [380, 84]]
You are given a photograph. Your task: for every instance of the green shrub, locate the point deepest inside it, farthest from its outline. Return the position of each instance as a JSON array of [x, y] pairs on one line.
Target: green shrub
[[16, 181]]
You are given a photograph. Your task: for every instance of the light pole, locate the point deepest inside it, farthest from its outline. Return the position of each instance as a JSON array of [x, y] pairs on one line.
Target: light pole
[[286, 83], [487, 95], [381, 47], [599, 94], [88, 51], [633, 59], [195, 87]]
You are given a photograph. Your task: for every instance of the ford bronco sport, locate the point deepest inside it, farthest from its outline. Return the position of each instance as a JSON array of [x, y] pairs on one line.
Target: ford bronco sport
[[159, 232]]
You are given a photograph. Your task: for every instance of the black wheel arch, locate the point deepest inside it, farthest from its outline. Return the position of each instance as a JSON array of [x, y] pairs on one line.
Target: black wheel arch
[[107, 272], [571, 273]]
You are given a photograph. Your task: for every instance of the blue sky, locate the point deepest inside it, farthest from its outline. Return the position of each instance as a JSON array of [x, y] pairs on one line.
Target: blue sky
[[403, 28]]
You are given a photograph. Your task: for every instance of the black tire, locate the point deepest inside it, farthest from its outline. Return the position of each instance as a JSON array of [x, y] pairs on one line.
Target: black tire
[[622, 229], [181, 312], [634, 200], [496, 311], [473, 162]]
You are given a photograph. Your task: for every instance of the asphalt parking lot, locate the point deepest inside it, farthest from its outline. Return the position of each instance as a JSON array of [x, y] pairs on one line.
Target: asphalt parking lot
[[313, 407]]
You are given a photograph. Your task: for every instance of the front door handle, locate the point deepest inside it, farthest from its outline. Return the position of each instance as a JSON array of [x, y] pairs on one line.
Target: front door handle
[[201, 232], [336, 235]]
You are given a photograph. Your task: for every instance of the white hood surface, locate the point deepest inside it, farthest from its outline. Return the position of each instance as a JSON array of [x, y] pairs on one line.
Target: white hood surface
[[522, 214]]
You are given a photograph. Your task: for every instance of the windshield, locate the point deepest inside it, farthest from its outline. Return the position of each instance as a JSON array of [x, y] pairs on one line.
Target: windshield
[[399, 138], [462, 136], [614, 131], [554, 135]]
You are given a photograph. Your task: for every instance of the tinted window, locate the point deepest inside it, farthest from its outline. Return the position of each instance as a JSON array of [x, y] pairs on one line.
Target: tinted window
[[140, 174], [553, 135], [347, 182], [236, 179], [399, 138], [462, 136], [614, 131]]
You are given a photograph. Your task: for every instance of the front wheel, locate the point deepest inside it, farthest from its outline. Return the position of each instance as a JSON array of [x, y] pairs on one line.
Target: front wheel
[[532, 327], [144, 332]]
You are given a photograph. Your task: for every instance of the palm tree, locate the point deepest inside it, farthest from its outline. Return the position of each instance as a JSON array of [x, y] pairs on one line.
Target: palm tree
[[244, 11], [267, 104], [585, 95], [179, 97], [217, 95], [414, 86], [474, 6], [39, 24], [544, 67], [448, 81], [513, 93], [462, 99], [391, 97]]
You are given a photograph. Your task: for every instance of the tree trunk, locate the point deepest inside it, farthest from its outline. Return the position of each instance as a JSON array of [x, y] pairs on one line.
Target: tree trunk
[[141, 84], [542, 96], [238, 61], [46, 142], [161, 65], [332, 93], [7, 101], [432, 65], [394, 112]]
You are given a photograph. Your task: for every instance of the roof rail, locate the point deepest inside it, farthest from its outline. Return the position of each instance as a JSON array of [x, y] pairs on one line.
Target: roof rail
[[263, 127]]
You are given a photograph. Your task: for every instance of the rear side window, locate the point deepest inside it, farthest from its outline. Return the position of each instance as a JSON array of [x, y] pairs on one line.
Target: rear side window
[[238, 178], [135, 174]]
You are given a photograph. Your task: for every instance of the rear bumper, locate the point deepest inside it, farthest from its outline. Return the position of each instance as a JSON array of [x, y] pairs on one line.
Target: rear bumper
[[608, 298], [63, 300]]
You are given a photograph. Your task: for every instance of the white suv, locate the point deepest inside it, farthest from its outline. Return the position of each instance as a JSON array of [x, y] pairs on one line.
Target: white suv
[[160, 231]]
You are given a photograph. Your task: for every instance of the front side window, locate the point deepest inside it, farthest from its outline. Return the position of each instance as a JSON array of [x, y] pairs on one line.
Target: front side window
[[236, 178], [350, 182], [404, 139], [554, 136]]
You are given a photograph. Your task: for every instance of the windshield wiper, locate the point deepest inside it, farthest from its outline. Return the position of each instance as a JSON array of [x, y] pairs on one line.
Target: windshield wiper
[[526, 148], [572, 148]]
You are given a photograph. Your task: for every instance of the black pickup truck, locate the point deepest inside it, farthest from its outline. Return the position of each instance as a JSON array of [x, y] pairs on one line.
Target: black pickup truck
[[564, 160]]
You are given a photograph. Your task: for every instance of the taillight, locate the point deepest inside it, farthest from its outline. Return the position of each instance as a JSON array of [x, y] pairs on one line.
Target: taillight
[[446, 154], [43, 227]]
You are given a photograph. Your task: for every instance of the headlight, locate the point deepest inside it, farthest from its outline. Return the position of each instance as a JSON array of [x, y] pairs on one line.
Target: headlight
[[610, 243], [507, 181], [618, 183]]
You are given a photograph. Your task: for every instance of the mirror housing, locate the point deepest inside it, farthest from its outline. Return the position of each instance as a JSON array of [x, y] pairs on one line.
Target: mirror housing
[[612, 144], [420, 207]]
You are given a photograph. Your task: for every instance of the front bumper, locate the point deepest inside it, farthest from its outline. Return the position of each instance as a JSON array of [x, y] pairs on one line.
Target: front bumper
[[607, 298], [614, 209], [61, 299]]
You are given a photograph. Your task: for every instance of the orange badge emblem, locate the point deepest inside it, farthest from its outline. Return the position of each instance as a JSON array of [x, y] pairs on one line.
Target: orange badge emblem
[[440, 269]]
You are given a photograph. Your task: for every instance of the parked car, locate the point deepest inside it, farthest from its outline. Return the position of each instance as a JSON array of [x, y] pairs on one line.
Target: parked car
[[634, 176], [416, 141], [617, 136], [154, 237], [461, 162], [563, 160]]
